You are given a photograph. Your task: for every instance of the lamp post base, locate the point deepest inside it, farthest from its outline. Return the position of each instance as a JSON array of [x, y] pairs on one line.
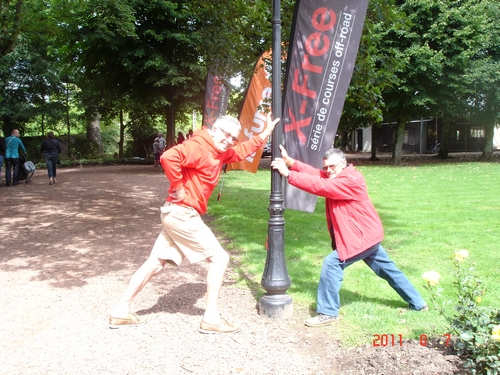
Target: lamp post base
[[276, 306]]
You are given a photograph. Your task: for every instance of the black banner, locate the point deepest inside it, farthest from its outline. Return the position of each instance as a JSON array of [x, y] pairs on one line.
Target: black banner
[[323, 48], [216, 99]]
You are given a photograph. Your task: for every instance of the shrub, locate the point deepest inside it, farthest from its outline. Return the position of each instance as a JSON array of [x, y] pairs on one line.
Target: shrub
[[476, 327], [81, 147]]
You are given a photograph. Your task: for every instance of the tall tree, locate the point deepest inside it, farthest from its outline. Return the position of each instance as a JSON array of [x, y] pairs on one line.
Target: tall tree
[[96, 39], [416, 70], [157, 52], [375, 69], [31, 80], [455, 35], [437, 47], [484, 75]]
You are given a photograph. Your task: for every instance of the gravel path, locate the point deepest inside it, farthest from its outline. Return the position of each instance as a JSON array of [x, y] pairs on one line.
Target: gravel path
[[67, 252]]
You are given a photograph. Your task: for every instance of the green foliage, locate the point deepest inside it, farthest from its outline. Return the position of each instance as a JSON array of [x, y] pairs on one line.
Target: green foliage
[[59, 59], [83, 148], [437, 47], [10, 23], [136, 56], [32, 146], [376, 67], [109, 138], [477, 327]]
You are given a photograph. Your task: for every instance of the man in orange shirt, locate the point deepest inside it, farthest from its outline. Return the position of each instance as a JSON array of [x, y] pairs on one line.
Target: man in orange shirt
[[193, 169]]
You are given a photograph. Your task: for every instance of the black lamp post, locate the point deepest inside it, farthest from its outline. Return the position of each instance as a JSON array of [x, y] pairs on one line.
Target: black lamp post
[[275, 280]]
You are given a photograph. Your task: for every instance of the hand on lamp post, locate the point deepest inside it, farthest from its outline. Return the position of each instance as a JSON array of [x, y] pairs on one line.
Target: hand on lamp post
[[270, 125], [280, 165], [287, 159]]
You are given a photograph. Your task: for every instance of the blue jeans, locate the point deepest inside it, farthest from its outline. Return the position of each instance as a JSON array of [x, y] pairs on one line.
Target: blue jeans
[[51, 161], [1, 164], [332, 274], [11, 163]]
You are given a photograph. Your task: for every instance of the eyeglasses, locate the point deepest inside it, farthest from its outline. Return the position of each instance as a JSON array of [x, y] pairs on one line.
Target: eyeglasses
[[332, 167], [229, 136]]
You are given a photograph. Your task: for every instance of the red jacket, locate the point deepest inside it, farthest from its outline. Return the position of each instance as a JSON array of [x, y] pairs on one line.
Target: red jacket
[[351, 217], [196, 164]]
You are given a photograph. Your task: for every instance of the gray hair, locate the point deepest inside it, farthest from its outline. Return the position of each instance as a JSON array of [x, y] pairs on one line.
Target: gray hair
[[228, 121], [334, 151]]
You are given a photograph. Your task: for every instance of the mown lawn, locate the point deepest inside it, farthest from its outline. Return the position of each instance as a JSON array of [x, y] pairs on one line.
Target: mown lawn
[[428, 212]]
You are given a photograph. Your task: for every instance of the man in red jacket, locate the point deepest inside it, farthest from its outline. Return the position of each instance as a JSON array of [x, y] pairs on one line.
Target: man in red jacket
[[193, 169], [355, 229]]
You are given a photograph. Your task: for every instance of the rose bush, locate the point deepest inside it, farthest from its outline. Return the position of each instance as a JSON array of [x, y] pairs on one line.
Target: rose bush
[[476, 328], [432, 277]]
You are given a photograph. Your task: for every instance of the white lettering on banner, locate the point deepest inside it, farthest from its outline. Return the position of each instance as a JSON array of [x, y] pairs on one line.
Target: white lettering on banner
[[329, 89], [259, 119], [250, 157], [316, 46]]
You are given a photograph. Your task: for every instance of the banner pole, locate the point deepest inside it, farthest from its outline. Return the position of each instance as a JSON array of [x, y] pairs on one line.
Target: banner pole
[[276, 303]]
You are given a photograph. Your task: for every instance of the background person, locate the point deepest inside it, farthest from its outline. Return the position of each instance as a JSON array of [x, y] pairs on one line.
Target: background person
[[355, 229], [159, 145], [180, 138], [12, 145], [156, 153], [2, 152], [193, 169], [51, 148]]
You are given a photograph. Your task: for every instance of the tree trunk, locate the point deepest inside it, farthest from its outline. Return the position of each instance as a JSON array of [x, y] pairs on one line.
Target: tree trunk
[[374, 142], [398, 141], [94, 131], [344, 140], [8, 125], [444, 149], [487, 154], [68, 124], [122, 135], [10, 26], [170, 136]]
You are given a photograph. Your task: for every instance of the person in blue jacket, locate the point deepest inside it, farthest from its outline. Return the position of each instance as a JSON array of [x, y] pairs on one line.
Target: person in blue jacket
[[12, 145], [2, 152]]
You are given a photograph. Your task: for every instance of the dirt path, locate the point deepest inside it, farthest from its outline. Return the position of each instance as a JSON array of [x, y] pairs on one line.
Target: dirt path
[[67, 252]]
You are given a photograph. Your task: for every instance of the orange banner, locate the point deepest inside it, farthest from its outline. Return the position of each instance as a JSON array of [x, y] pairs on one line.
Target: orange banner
[[253, 115]]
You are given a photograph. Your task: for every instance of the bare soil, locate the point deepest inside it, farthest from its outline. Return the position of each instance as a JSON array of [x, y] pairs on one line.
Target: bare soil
[[67, 252]]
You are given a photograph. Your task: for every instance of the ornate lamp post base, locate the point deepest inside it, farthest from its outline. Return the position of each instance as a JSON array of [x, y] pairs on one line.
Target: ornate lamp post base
[[276, 306]]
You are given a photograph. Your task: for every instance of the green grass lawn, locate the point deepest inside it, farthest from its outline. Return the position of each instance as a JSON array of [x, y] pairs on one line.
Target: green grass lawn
[[428, 212]]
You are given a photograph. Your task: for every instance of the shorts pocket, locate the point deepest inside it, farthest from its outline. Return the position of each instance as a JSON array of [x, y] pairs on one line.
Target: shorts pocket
[[166, 209], [178, 212]]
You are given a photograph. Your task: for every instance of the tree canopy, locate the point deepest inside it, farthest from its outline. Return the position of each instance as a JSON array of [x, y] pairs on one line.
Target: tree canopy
[[143, 63]]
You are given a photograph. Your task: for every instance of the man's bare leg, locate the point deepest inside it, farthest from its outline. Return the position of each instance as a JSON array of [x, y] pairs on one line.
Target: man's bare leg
[[141, 277], [215, 276], [212, 321]]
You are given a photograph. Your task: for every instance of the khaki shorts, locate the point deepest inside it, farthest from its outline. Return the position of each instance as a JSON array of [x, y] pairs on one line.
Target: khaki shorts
[[184, 234]]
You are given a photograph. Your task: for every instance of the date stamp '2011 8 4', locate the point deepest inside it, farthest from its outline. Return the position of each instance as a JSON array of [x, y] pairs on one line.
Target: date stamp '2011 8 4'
[[390, 339]]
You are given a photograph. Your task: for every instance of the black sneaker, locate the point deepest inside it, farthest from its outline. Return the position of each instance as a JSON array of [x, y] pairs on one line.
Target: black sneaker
[[424, 308], [320, 320]]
